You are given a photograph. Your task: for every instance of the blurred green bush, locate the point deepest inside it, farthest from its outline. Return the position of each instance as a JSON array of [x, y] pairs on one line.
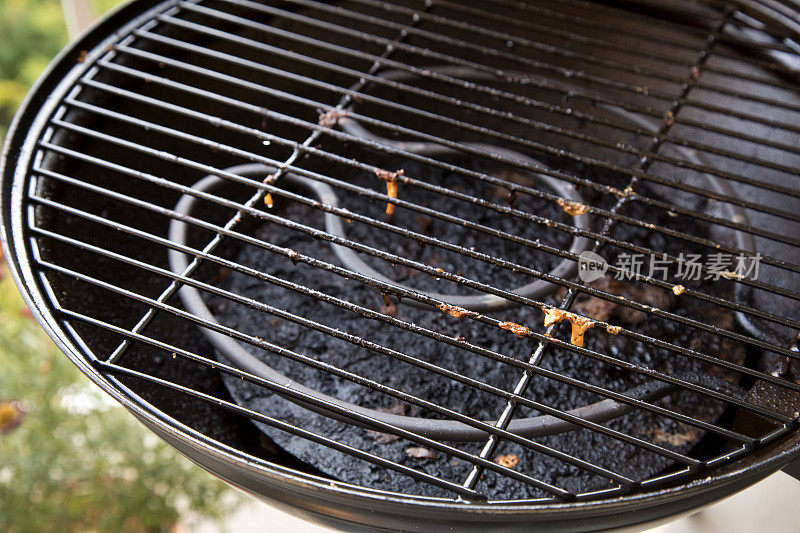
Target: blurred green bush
[[31, 33], [71, 459]]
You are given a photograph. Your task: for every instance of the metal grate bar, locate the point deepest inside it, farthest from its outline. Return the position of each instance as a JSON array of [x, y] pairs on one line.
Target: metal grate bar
[[127, 135], [453, 60], [762, 49], [423, 238], [217, 240], [382, 197], [447, 275], [628, 220], [464, 148], [514, 39], [430, 270], [588, 20], [346, 274], [423, 73], [772, 66], [289, 428], [145, 319], [537, 125], [454, 415], [148, 126], [500, 208], [570, 92], [591, 23], [485, 51], [510, 409], [733, 200], [255, 341], [173, 287], [496, 93], [511, 40]]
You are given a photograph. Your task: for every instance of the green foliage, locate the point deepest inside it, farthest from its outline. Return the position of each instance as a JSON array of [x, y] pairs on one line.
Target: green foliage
[[101, 6], [75, 461], [31, 33]]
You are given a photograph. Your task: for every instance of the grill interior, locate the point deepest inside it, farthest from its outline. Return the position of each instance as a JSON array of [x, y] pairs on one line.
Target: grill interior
[[674, 128]]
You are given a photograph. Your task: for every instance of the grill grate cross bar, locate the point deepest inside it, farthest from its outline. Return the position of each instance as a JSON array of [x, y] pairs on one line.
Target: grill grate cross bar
[[510, 408]]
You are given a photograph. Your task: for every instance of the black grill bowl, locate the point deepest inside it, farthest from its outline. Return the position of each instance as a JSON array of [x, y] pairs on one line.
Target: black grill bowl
[[702, 133]]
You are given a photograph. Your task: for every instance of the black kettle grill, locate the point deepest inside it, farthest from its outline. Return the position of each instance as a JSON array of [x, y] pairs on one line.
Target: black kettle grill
[[425, 264]]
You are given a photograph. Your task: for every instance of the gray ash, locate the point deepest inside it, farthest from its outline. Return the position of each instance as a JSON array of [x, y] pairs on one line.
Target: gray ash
[[607, 452]]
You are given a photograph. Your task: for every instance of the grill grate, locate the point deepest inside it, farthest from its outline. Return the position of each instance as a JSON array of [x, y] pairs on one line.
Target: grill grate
[[680, 140]]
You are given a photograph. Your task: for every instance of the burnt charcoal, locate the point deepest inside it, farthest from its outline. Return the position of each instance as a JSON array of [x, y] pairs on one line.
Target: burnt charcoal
[[613, 454]]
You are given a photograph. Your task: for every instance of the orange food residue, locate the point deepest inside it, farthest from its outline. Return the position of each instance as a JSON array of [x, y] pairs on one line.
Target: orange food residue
[[391, 185], [515, 328], [579, 323], [268, 200], [579, 326], [678, 289], [614, 330], [453, 310], [391, 191], [573, 208], [508, 461], [553, 316]]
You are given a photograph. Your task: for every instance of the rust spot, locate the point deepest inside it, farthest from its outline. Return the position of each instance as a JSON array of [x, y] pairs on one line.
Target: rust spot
[[572, 208], [82, 56], [696, 73], [517, 329], [509, 461], [293, 256], [678, 289]]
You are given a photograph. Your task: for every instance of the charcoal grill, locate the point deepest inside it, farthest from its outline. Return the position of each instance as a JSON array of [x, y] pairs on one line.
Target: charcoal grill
[[329, 250]]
